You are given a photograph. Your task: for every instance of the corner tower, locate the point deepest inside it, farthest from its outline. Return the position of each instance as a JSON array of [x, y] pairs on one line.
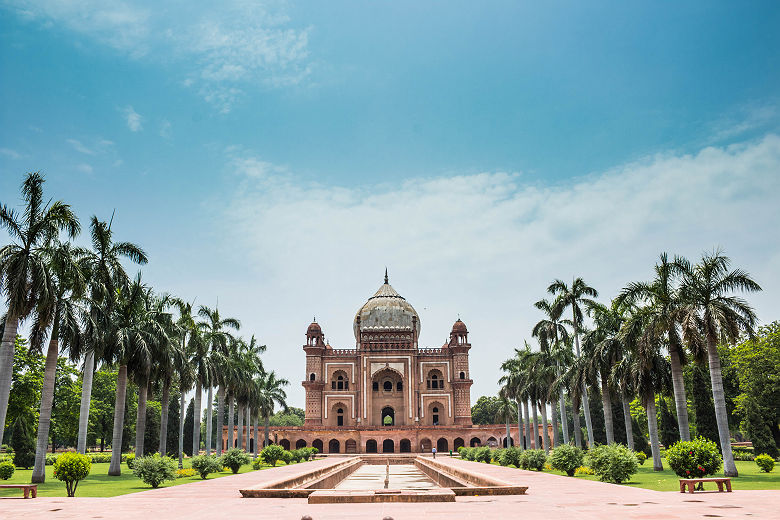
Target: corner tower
[[315, 382], [459, 347]]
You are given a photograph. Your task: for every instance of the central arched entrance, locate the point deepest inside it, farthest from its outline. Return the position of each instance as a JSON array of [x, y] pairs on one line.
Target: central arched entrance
[[370, 446], [406, 446], [388, 416], [388, 446], [334, 446]]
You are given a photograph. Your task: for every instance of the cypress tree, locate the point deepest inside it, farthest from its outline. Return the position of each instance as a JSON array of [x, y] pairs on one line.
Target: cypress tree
[[189, 423], [706, 424], [172, 437], [23, 444], [669, 432]]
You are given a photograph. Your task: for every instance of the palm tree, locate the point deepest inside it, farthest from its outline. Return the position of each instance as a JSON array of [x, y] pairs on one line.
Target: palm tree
[[649, 372], [709, 306], [512, 384], [203, 371], [551, 332], [218, 340], [128, 344], [620, 378], [574, 297], [106, 275], [185, 327], [271, 392], [661, 300], [63, 315], [506, 410], [25, 275]]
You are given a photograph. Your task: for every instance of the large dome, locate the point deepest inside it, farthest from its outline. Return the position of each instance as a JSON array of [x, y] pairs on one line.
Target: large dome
[[386, 310]]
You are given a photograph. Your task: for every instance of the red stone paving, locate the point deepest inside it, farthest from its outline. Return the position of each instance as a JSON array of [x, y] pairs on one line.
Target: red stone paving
[[549, 497]]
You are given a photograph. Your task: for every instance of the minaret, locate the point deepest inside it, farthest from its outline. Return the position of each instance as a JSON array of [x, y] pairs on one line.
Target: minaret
[[459, 347], [314, 382]]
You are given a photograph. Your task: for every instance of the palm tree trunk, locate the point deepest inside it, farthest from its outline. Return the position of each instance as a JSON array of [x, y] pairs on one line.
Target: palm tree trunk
[[7, 366], [585, 401], [508, 437], [545, 429], [267, 424], [564, 421], [86, 395], [556, 433], [209, 420], [231, 424], [47, 397], [140, 418], [115, 468], [519, 425], [196, 419], [606, 403], [240, 430], [527, 426], [719, 400], [220, 418], [256, 431], [652, 428], [627, 420], [248, 427], [166, 396], [678, 384], [182, 413], [535, 432], [577, 426]]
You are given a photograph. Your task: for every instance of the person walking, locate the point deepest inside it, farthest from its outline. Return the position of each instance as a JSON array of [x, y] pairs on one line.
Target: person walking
[[434, 452]]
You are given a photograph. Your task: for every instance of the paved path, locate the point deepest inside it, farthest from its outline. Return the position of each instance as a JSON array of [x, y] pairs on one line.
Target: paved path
[[549, 497]]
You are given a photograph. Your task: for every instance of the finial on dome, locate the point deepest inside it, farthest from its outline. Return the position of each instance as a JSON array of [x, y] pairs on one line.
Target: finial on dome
[[386, 275]]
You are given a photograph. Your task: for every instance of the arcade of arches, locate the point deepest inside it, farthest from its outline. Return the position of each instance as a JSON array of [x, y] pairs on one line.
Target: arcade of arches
[[387, 395]]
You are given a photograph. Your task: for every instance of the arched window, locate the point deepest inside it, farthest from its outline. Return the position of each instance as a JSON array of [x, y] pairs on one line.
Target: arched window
[[311, 376], [388, 386], [399, 386], [375, 386], [435, 415], [340, 383], [463, 375], [340, 417], [435, 380]]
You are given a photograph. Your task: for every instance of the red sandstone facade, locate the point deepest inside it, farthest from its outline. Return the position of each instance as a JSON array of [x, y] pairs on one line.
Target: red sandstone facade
[[387, 395]]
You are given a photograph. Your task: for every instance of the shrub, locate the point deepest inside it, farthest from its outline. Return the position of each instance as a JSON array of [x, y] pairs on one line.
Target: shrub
[[567, 458], [286, 457], [257, 463], [23, 444], [483, 454], [744, 455], [71, 467], [100, 458], [460, 450], [50, 459], [641, 457], [234, 458], [185, 473], [765, 462], [467, 453], [130, 460], [584, 470], [694, 459], [6, 470], [305, 453], [612, 463], [154, 469], [272, 453], [205, 464], [533, 459], [510, 457], [296, 456]]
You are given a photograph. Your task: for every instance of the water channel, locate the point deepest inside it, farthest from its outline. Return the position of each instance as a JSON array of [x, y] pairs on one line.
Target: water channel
[[372, 476]]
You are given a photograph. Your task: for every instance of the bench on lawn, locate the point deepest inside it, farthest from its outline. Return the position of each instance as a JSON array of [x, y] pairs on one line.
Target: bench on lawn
[[28, 488], [690, 482]]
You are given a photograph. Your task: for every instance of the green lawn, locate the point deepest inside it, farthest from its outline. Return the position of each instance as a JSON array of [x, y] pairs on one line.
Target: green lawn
[[99, 484], [750, 477]]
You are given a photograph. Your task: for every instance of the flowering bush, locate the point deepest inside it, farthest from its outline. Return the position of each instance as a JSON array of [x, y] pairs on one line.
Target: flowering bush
[[234, 458], [533, 459], [567, 458], [71, 467], [272, 453], [130, 460], [612, 462], [205, 464], [50, 459], [185, 473], [7, 469], [765, 463], [584, 470], [694, 459], [154, 469], [641, 457]]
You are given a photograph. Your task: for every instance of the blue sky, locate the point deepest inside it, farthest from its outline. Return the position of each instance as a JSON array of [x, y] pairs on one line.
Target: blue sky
[[277, 155]]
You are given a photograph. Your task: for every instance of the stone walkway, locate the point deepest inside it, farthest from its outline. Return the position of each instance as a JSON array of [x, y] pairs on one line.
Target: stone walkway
[[549, 497]]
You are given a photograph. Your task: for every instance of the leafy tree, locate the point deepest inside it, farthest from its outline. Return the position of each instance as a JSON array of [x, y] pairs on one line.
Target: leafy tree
[[26, 384], [172, 440], [23, 444], [293, 417], [65, 406], [189, 421], [101, 411], [152, 427], [485, 410], [667, 424], [71, 467], [703, 409]]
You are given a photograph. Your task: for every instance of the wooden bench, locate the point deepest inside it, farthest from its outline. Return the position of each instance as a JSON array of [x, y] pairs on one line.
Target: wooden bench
[[691, 482], [28, 488]]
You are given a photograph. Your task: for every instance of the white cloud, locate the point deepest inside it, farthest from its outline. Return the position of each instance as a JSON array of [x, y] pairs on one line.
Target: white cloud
[[84, 168], [79, 147], [486, 246], [226, 46], [133, 119], [165, 129], [13, 154]]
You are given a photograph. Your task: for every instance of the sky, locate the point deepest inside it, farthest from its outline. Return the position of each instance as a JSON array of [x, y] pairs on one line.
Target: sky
[[273, 158]]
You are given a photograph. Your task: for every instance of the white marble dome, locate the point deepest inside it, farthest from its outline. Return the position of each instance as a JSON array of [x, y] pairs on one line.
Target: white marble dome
[[386, 310]]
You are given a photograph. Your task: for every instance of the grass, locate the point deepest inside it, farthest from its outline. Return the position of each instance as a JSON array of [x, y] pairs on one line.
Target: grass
[[750, 477], [99, 484]]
